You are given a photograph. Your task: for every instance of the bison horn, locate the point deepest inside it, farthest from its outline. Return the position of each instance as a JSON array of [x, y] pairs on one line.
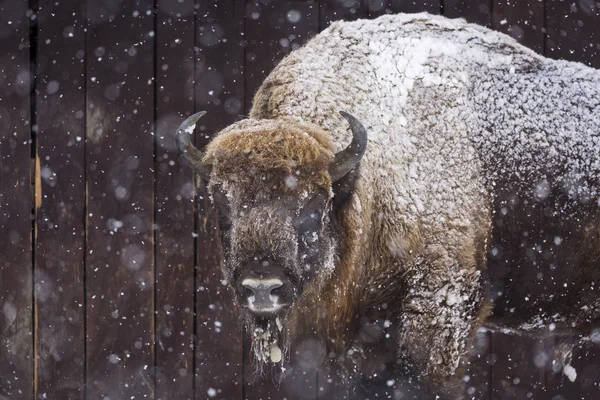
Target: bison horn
[[192, 156], [347, 159]]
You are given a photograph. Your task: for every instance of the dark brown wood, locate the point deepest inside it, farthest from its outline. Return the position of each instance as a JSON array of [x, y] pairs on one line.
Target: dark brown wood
[[573, 32], [272, 31], [519, 366], [476, 11], [347, 10], [60, 191], [219, 90], [120, 180], [523, 20], [174, 201], [380, 7], [16, 325]]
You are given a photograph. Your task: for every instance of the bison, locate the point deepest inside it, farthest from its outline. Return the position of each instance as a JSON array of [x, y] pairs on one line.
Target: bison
[[458, 188]]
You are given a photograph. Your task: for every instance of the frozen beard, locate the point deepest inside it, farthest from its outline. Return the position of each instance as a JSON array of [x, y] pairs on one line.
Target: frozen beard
[[270, 342]]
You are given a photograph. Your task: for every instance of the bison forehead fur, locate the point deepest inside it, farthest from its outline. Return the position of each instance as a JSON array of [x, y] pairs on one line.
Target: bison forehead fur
[[251, 150], [473, 139]]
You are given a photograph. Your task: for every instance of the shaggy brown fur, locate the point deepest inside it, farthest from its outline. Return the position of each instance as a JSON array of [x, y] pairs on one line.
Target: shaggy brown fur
[[464, 196], [277, 147]]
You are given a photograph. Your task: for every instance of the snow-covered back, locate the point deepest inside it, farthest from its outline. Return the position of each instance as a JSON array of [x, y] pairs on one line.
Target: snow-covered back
[[442, 100]]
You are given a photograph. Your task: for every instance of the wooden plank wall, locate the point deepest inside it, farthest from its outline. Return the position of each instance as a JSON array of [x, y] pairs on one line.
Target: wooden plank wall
[[60, 201], [110, 284], [174, 203], [17, 324], [120, 141]]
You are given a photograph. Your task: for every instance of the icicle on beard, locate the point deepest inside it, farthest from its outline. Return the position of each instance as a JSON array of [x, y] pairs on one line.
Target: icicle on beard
[[270, 346]]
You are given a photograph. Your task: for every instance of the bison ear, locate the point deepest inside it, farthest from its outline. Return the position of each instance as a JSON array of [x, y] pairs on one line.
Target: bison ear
[[190, 154], [349, 158]]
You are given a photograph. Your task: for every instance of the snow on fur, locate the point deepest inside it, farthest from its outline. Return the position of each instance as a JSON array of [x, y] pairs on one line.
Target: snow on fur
[[452, 109]]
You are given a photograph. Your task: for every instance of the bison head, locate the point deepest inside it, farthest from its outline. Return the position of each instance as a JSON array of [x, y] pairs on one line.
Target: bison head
[[272, 183]]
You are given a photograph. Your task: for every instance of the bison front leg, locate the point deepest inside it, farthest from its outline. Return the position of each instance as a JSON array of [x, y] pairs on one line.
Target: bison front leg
[[440, 315]]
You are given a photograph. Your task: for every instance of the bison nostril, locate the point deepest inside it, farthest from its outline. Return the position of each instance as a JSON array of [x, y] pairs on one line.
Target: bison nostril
[[277, 291], [248, 292]]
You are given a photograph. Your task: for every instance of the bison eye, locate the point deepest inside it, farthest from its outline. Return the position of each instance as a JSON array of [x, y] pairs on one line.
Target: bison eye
[[224, 222], [310, 218], [309, 224], [223, 212]]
